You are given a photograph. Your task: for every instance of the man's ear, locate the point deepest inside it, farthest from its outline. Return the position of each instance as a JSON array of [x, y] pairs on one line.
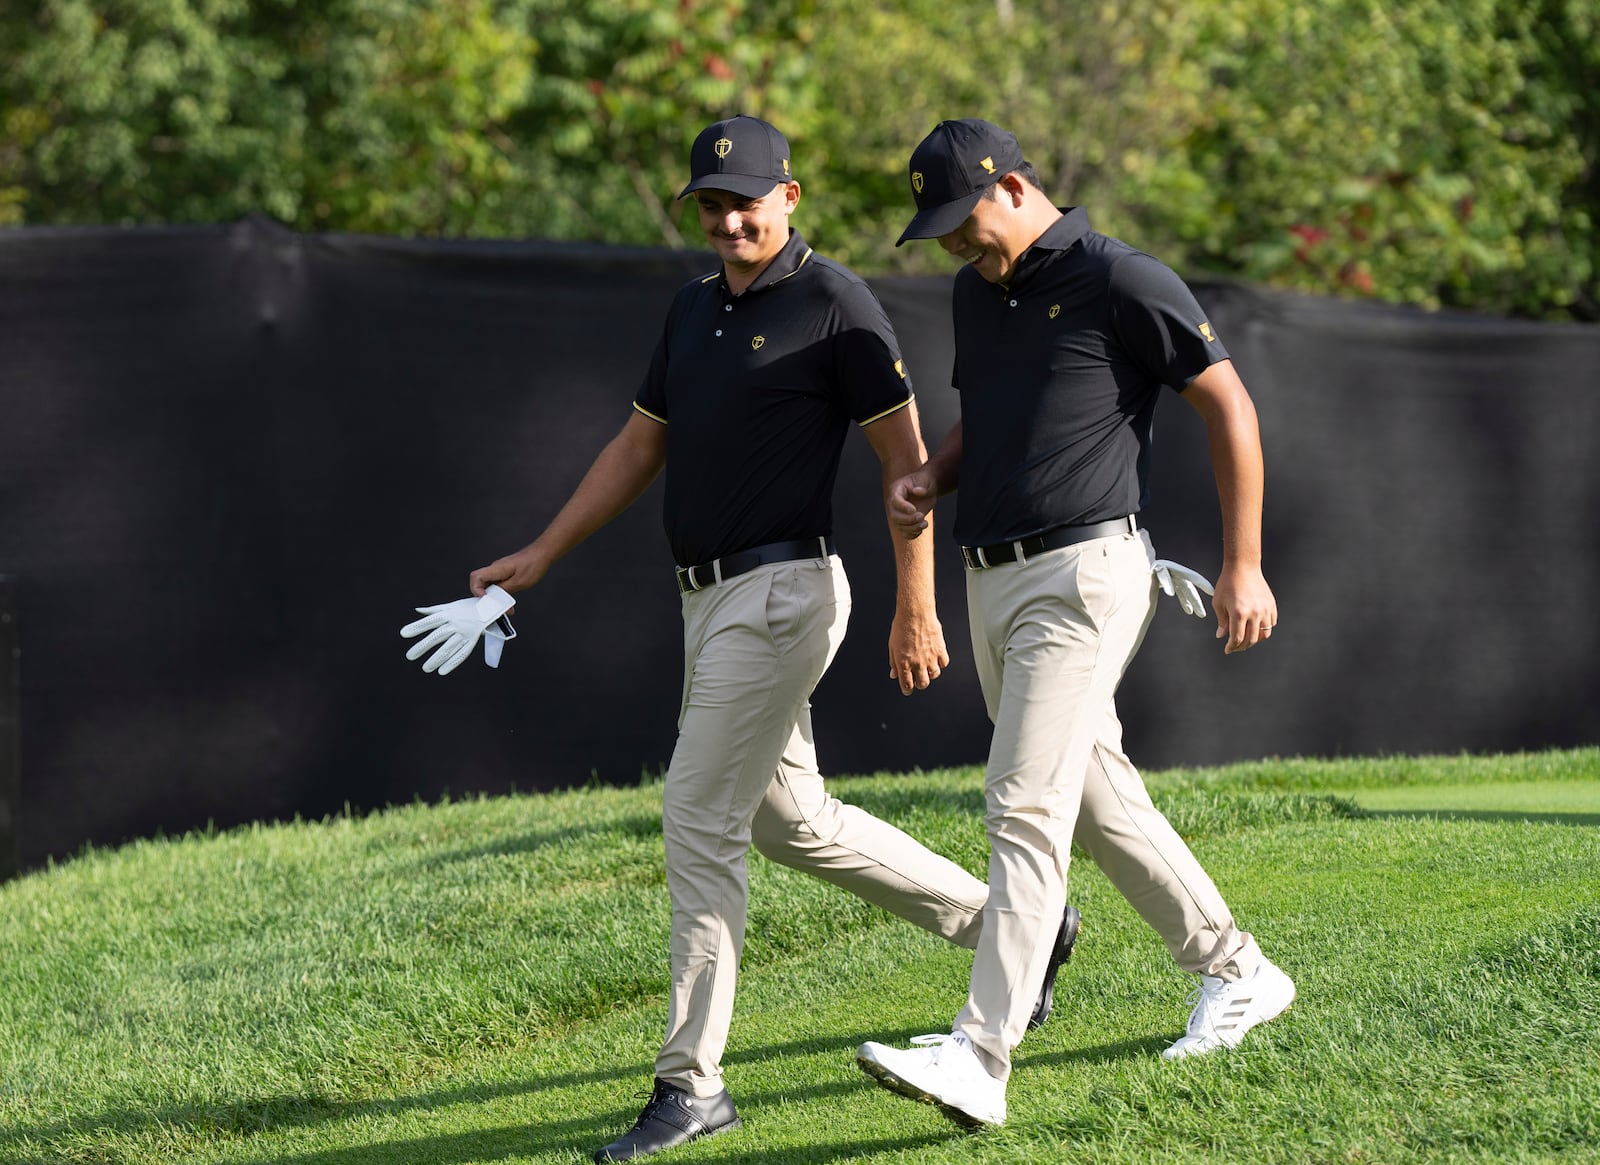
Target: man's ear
[[1014, 186], [791, 197]]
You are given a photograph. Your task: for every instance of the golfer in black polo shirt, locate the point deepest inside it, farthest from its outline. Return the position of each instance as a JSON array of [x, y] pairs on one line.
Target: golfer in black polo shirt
[[1064, 339], [760, 370]]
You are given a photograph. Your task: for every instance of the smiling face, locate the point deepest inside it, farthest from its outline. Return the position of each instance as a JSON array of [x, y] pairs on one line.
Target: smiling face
[[988, 239], [747, 233]]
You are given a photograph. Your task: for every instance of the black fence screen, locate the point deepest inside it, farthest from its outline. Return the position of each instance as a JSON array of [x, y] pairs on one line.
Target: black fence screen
[[232, 460]]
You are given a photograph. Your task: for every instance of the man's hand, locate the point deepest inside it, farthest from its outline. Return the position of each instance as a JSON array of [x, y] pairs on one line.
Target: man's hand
[[1246, 609], [916, 651], [910, 499], [514, 572]]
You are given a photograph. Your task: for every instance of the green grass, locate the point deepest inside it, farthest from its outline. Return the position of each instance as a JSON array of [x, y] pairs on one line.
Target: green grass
[[482, 981]]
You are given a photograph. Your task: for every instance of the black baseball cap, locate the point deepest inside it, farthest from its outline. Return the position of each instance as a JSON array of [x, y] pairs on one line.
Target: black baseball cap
[[742, 154], [952, 168]]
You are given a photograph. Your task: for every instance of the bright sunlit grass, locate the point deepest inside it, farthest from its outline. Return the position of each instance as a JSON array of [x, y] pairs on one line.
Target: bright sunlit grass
[[483, 981]]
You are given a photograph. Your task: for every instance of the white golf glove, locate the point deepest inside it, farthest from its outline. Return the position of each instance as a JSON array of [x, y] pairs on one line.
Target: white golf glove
[[452, 630], [1183, 584], [1178, 580]]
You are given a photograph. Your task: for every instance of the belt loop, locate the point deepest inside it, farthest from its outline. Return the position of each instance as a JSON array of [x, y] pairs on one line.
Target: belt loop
[[716, 570], [1022, 555], [822, 545], [983, 559]]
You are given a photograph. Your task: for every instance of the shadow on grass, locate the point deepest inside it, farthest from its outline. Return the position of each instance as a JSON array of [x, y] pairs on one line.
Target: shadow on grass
[[244, 1117], [1502, 815], [265, 1114], [898, 803], [639, 826], [500, 1144], [1099, 1054]]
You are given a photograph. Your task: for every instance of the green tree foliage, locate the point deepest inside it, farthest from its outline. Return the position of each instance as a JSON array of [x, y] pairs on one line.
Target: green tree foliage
[[621, 89], [1100, 96], [1420, 152], [138, 111], [1437, 152]]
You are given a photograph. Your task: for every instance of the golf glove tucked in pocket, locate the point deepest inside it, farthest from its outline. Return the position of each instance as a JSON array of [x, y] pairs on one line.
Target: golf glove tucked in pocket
[[1178, 580], [1184, 585]]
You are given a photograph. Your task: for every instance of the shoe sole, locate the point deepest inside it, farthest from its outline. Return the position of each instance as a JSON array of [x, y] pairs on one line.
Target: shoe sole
[[735, 1123], [905, 1088], [1065, 944]]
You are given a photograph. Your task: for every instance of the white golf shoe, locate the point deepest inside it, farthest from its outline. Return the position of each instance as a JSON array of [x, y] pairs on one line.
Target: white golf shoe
[[1224, 1011], [944, 1071]]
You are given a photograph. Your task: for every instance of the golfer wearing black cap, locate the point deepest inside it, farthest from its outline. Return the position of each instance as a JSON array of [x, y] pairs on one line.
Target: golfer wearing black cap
[[760, 370], [1064, 338]]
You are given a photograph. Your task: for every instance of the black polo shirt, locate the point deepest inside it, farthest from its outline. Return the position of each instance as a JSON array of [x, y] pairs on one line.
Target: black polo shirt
[[757, 391], [1059, 373]]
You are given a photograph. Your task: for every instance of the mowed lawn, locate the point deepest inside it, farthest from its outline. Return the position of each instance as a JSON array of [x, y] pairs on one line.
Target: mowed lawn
[[483, 981], [1573, 803]]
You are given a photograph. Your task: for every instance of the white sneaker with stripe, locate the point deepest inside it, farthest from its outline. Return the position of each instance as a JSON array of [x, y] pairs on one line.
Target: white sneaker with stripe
[[941, 1070], [1224, 1011]]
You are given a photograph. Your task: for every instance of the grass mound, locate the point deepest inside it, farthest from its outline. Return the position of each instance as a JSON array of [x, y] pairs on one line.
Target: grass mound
[[484, 981]]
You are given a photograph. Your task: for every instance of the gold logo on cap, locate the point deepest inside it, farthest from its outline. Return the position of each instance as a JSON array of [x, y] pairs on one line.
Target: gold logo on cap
[[723, 148], [786, 167], [1205, 330], [757, 342], [916, 181], [1055, 310], [987, 164], [900, 368]]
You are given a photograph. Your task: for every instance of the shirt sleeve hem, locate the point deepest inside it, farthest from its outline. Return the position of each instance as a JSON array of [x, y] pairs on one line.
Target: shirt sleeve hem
[[879, 416]]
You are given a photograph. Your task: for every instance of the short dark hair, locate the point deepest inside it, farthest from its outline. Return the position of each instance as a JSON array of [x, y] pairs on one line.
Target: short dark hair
[[1025, 171]]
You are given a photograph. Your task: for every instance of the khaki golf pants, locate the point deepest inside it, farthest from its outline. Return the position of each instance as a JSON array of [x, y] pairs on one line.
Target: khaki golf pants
[[745, 767], [1052, 637]]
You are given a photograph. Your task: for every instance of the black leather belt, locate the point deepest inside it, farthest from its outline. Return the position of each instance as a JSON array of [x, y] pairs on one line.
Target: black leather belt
[[983, 557], [697, 578]]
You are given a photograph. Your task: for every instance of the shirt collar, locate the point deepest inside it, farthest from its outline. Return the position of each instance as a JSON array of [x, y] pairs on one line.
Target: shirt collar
[[785, 263], [1064, 234], [1066, 230]]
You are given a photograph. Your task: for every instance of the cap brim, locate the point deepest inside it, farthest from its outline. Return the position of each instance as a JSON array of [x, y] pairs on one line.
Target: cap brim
[[941, 219], [745, 185]]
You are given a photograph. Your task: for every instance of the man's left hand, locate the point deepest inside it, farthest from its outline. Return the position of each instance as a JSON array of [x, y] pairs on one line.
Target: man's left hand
[[1246, 609], [916, 651]]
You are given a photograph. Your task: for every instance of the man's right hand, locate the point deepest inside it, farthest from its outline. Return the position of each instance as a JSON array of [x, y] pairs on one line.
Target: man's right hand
[[911, 499], [514, 572]]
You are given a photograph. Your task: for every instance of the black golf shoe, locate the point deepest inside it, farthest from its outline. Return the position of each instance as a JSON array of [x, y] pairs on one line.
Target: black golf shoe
[[671, 1117], [1065, 938]]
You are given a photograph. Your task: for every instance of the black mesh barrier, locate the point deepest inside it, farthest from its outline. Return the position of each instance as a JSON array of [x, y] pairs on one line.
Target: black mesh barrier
[[10, 754], [232, 459]]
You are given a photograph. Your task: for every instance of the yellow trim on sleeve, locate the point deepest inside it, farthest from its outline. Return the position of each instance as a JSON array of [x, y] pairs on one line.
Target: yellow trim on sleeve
[[648, 413], [881, 415]]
